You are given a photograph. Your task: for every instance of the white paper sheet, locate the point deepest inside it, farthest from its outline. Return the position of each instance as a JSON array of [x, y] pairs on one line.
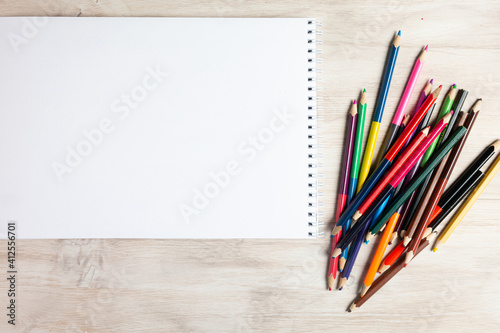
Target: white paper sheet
[[112, 127]]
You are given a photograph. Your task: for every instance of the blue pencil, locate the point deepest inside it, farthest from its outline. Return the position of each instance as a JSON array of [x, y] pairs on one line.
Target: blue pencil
[[377, 118]]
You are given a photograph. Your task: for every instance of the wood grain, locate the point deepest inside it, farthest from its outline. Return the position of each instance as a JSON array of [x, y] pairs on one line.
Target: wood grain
[[280, 286]]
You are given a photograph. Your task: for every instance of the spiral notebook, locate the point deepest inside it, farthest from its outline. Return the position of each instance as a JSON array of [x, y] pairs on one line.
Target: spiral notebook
[[158, 127]]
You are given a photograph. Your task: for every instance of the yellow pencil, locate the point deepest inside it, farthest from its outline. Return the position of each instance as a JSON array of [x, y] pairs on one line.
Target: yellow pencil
[[466, 206], [368, 155]]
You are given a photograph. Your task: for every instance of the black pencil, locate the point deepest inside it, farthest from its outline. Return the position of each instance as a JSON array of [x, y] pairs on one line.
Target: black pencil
[[446, 206]]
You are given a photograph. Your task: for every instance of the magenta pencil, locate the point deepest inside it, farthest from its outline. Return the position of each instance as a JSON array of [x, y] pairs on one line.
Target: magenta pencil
[[410, 86]]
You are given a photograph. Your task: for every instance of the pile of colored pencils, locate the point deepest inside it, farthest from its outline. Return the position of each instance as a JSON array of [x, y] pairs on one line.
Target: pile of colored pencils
[[405, 197]]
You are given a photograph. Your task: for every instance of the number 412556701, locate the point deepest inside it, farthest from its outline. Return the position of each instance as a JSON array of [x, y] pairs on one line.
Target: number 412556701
[[11, 244]]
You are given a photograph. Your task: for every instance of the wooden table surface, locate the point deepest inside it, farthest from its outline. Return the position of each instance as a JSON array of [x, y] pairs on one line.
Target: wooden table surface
[[280, 286]]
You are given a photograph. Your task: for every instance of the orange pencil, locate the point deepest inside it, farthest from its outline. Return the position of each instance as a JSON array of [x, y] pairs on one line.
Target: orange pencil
[[379, 254]]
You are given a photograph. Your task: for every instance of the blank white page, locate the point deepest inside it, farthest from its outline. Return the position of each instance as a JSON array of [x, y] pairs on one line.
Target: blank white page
[[155, 127]]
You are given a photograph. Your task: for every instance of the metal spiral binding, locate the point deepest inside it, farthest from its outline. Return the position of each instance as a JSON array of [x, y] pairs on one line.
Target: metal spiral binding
[[314, 156]]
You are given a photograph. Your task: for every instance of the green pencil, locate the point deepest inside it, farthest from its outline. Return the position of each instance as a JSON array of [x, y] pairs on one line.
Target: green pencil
[[356, 158], [445, 109], [406, 192]]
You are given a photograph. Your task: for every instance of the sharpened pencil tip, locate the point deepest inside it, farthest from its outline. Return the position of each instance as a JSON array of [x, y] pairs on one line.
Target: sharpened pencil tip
[[426, 47], [432, 81], [446, 119], [495, 145], [342, 283], [365, 289], [352, 307], [336, 252], [393, 237], [354, 102], [437, 245], [342, 261], [408, 257], [436, 92], [477, 105], [364, 90], [336, 230], [331, 281], [399, 33], [383, 268]]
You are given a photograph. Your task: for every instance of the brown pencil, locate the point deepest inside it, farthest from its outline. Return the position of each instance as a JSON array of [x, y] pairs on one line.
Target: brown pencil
[[388, 275], [440, 179], [471, 118], [423, 203]]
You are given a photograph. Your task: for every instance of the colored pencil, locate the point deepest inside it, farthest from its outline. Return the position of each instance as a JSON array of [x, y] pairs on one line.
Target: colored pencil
[[445, 109], [379, 109], [379, 253], [403, 103], [405, 121], [443, 210], [356, 160], [447, 209], [412, 220], [469, 202], [397, 227], [406, 207], [386, 162], [351, 259], [412, 186], [438, 184], [419, 200], [387, 276], [410, 207], [389, 189], [457, 107], [343, 184], [424, 93]]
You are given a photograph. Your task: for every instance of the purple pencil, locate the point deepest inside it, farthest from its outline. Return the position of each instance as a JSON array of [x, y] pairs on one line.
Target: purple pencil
[[425, 92], [345, 172]]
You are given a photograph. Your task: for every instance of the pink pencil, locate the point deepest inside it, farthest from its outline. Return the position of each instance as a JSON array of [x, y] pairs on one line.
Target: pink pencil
[[403, 104]]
